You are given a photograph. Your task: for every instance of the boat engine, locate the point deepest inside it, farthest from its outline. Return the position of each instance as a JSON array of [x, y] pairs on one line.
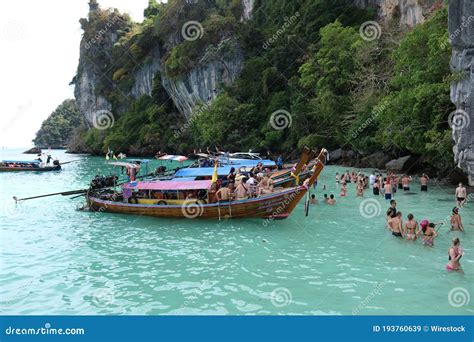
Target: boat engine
[[99, 182]]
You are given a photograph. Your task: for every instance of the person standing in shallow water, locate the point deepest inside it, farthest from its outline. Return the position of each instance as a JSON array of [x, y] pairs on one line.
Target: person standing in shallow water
[[424, 182], [461, 195], [388, 190], [455, 254], [410, 228], [456, 223], [395, 225]]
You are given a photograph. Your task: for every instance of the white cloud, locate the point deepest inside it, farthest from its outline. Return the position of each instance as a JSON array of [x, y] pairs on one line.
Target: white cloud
[[39, 41]]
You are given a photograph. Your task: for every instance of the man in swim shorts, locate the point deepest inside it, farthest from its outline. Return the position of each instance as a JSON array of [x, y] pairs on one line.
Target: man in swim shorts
[[395, 225], [392, 211], [460, 195], [424, 182]]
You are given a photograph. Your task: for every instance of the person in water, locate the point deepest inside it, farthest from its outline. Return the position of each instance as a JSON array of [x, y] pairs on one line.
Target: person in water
[[411, 228], [337, 178], [455, 254], [326, 198], [424, 182], [313, 199], [392, 211], [406, 182], [343, 190], [388, 190], [395, 225], [429, 233], [456, 223], [360, 188], [331, 200], [461, 195]]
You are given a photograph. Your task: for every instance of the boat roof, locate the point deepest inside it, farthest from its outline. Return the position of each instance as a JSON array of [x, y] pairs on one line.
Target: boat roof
[[203, 171], [123, 164], [21, 161], [170, 185], [173, 157], [248, 162]]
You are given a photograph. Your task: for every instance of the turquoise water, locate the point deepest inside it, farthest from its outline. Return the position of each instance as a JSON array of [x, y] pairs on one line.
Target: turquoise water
[[57, 260]]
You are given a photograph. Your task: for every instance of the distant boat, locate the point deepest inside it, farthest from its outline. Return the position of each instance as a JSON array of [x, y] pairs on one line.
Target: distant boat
[[28, 165], [196, 199]]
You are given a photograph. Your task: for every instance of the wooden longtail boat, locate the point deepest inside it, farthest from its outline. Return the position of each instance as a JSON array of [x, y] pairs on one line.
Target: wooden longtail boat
[[162, 199], [34, 166]]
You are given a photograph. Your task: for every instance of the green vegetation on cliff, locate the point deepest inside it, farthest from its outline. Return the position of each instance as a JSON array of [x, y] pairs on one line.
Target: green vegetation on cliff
[[57, 129], [304, 57]]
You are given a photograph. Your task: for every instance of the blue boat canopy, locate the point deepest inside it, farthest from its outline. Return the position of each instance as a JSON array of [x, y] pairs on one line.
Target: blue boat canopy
[[203, 171], [21, 161]]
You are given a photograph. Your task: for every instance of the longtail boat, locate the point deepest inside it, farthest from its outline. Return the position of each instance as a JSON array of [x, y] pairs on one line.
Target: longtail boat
[[31, 165], [196, 199]]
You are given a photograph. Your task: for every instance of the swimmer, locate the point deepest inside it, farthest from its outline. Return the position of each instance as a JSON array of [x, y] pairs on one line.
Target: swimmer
[[388, 190], [456, 223], [337, 177], [331, 200], [360, 189], [313, 199], [326, 198], [406, 183], [411, 228], [424, 182], [395, 225], [455, 254]]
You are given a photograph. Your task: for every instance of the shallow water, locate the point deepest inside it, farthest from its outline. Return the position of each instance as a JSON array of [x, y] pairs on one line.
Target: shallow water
[[57, 260]]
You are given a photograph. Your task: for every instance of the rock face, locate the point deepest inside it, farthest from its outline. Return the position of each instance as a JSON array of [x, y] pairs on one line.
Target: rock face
[[410, 12], [219, 66], [461, 36]]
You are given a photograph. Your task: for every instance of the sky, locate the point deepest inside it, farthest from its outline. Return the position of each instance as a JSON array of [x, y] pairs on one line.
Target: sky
[[39, 44]]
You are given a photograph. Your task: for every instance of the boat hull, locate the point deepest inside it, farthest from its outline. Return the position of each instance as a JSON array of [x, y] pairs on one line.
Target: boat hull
[[276, 206], [30, 169]]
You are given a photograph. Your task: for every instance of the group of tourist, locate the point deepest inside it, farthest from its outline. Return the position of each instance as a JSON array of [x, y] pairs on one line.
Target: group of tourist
[[410, 229], [238, 186]]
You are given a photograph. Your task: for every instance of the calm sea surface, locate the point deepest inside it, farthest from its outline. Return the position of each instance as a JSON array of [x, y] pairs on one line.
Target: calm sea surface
[[55, 259]]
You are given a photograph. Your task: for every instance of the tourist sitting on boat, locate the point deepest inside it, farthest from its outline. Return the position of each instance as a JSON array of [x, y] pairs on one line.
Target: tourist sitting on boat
[[455, 254], [251, 184], [265, 186], [241, 191]]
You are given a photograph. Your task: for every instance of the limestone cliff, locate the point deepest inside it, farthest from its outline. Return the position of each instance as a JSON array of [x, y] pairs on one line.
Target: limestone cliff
[[461, 35], [409, 12]]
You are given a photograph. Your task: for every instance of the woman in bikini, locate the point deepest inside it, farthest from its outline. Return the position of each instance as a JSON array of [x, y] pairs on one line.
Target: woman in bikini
[[360, 188], [429, 233], [455, 254], [411, 228], [343, 190], [456, 223]]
